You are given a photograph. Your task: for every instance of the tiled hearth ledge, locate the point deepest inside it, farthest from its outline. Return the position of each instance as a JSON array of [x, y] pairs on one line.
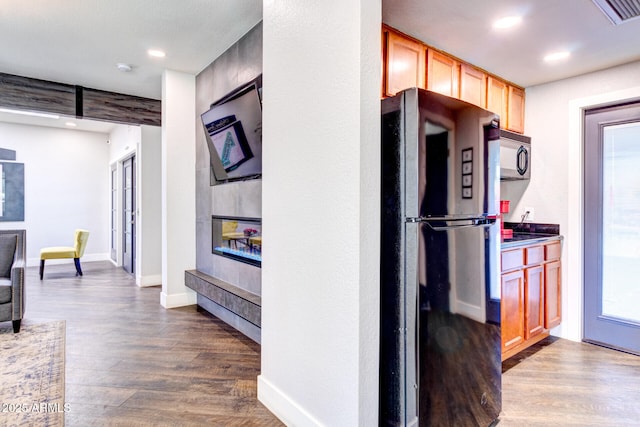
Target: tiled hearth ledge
[[237, 300]]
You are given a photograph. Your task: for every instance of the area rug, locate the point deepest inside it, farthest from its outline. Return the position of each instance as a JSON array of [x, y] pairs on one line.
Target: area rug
[[32, 371]]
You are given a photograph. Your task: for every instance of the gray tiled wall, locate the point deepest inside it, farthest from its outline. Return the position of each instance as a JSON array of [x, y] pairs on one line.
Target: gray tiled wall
[[240, 64]]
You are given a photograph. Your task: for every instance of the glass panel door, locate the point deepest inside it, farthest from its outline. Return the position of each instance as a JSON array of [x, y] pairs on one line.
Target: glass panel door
[[612, 227], [621, 222]]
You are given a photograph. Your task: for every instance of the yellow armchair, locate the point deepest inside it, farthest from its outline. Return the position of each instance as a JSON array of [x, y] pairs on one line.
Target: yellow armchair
[[64, 252]]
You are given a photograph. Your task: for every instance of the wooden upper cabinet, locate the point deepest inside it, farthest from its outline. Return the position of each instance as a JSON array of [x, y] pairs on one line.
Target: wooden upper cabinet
[[473, 85], [405, 64], [497, 98], [443, 74], [515, 116]]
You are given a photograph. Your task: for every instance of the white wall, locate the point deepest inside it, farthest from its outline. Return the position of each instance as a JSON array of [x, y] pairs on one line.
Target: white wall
[[178, 187], [66, 187], [149, 212], [553, 120], [145, 142], [123, 141], [321, 136]]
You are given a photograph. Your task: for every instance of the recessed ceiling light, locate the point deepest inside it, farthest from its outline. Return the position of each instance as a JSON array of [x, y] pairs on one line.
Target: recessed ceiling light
[[125, 68], [156, 53], [70, 124], [507, 22], [557, 56], [29, 113]]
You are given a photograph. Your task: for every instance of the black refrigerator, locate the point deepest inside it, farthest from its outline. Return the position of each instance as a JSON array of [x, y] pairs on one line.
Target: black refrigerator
[[440, 360]]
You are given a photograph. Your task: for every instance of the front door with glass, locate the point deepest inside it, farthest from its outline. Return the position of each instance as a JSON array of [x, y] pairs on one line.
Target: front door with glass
[[612, 227]]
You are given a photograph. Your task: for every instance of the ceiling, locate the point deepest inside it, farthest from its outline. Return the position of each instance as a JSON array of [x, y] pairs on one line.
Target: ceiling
[[80, 41], [463, 28]]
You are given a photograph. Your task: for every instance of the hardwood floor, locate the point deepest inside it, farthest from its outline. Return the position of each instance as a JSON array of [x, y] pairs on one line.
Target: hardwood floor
[[564, 383], [130, 362]]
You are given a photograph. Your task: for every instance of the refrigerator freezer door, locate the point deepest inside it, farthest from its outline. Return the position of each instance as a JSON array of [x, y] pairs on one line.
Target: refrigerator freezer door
[[451, 156]]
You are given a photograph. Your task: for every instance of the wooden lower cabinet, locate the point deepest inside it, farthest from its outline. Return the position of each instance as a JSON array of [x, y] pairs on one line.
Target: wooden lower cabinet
[[552, 298], [533, 305], [531, 295], [512, 309]]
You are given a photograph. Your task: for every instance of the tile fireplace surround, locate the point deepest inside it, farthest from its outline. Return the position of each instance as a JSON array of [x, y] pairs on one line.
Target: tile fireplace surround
[[223, 275]]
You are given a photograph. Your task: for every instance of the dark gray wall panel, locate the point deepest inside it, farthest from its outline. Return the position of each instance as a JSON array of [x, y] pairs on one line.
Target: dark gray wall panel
[[13, 183]]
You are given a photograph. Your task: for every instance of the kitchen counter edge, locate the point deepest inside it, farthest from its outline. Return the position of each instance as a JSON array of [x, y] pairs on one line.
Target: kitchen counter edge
[[534, 239]]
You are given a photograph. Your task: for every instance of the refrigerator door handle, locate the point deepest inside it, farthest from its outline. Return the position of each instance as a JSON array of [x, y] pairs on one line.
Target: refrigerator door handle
[[451, 223]]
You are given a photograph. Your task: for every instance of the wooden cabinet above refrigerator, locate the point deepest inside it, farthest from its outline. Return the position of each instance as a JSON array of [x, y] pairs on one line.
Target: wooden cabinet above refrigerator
[[407, 62]]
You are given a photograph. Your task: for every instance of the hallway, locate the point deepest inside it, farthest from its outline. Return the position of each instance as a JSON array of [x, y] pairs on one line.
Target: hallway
[[131, 362]]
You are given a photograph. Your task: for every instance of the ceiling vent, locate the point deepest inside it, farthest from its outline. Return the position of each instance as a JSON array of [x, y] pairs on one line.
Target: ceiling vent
[[619, 11]]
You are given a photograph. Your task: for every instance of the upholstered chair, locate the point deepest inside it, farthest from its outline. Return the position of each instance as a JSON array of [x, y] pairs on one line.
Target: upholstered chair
[[64, 252], [12, 263]]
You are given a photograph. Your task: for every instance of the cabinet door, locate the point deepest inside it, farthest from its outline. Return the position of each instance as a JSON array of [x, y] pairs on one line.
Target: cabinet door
[[534, 297], [443, 73], [497, 94], [553, 294], [512, 309], [473, 85], [552, 251], [405, 64], [515, 115]]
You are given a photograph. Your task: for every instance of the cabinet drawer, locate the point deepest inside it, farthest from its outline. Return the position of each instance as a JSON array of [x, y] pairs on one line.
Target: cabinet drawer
[[512, 259], [552, 251], [534, 255]]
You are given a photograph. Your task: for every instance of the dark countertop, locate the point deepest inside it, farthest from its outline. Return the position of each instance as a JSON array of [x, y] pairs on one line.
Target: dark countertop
[[530, 233], [524, 239]]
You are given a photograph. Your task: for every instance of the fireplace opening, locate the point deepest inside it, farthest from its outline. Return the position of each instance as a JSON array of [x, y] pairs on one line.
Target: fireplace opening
[[237, 238]]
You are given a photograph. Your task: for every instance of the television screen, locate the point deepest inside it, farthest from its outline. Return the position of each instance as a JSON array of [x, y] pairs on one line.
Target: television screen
[[233, 129]]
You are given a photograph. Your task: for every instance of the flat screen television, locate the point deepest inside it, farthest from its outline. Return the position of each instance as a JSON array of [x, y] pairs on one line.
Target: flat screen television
[[233, 129]]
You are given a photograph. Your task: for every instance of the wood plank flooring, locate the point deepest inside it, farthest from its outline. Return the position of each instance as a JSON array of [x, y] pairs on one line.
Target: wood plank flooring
[[131, 362], [564, 383]]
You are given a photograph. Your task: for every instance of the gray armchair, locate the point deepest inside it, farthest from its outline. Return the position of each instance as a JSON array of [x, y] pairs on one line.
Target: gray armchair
[[12, 263]]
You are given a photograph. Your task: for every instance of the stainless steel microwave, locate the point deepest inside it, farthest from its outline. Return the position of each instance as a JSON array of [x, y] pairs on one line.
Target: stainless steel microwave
[[515, 156]]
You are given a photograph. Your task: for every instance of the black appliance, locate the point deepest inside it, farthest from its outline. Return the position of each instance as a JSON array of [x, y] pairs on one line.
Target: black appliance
[[440, 360], [233, 128], [515, 156]]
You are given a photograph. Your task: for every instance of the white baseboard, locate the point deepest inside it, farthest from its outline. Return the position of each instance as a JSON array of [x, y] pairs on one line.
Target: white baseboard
[[34, 262], [178, 300], [149, 280], [288, 411]]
